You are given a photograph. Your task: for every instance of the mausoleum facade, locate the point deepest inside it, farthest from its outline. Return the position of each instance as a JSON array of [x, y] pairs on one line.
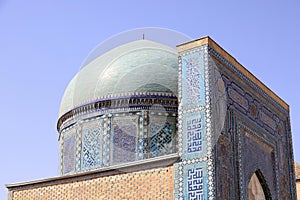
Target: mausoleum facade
[[144, 120]]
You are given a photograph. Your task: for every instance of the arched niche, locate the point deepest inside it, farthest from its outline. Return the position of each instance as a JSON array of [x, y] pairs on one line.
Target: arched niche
[[258, 188]]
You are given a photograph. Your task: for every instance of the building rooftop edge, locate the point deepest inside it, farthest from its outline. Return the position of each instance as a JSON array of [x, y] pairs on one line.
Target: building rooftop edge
[[106, 171], [210, 42]]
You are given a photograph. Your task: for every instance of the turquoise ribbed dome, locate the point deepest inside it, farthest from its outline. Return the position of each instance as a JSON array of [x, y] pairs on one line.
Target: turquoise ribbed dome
[[139, 67]]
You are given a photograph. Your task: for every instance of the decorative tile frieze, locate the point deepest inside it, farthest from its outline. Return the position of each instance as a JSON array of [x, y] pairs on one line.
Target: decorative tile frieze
[[192, 79], [92, 137], [110, 139], [193, 180], [194, 135], [246, 79], [69, 151]]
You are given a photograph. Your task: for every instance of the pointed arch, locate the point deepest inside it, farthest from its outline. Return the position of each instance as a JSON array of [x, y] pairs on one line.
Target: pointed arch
[[258, 188]]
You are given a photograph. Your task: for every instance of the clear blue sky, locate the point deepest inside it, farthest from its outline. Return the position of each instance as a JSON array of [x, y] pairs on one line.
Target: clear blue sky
[[43, 43]]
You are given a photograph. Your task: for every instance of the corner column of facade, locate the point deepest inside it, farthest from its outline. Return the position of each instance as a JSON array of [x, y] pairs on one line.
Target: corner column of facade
[[194, 174]]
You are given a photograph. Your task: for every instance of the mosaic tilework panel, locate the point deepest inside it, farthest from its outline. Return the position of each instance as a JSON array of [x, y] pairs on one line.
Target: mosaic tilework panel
[[191, 181], [161, 135], [124, 139], [254, 108], [261, 112], [194, 135], [245, 78], [225, 179], [92, 133], [193, 85], [69, 147], [118, 138], [142, 185], [106, 142], [161, 141], [250, 147]]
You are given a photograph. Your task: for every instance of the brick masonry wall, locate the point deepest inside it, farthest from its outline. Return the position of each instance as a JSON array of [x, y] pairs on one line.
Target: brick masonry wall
[[298, 189], [148, 184], [297, 170], [297, 174]]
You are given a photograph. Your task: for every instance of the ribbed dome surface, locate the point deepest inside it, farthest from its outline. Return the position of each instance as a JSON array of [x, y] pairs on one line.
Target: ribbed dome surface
[[134, 68]]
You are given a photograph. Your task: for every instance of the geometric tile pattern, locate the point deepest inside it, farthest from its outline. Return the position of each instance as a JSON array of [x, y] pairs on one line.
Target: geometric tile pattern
[[141, 137], [91, 147], [69, 148], [161, 137], [266, 121], [125, 130], [193, 80], [106, 142], [207, 94], [195, 181], [161, 141], [194, 176], [251, 145], [253, 107], [194, 136], [112, 139]]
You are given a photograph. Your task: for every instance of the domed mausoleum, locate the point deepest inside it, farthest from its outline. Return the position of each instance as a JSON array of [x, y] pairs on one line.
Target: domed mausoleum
[[121, 107], [143, 119]]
